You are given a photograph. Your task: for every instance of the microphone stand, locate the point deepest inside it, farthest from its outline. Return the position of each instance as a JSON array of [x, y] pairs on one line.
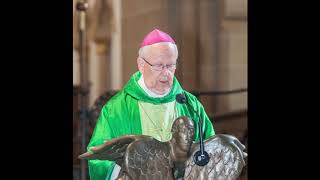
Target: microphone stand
[[200, 135], [84, 84], [200, 158]]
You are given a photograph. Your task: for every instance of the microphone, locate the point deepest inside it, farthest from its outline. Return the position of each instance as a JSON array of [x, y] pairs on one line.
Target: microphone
[[201, 158]]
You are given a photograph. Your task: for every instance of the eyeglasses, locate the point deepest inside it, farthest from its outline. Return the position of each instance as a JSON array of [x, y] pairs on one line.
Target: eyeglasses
[[160, 67]]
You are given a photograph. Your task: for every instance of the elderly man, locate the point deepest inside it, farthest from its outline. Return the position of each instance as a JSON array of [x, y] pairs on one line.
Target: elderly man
[[147, 104]]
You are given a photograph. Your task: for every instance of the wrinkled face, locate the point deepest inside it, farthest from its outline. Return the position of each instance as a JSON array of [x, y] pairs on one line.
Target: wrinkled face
[[158, 55]]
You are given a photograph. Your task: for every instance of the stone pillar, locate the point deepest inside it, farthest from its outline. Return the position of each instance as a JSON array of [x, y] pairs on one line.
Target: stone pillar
[[209, 20], [76, 61], [188, 61], [232, 63], [99, 75], [100, 27], [116, 82], [76, 68]]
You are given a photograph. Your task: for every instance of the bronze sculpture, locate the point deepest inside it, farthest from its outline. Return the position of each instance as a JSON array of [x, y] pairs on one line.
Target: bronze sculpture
[[143, 157]]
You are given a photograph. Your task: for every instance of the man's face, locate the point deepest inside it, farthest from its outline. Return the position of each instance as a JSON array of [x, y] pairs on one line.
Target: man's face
[[159, 82]]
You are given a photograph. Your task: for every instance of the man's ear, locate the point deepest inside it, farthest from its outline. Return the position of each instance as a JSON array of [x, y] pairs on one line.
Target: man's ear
[[140, 64]]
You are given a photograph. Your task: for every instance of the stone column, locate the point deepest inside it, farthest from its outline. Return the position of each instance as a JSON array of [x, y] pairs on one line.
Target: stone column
[[76, 68], [232, 63], [116, 48], [188, 28], [99, 75], [209, 20], [100, 26]]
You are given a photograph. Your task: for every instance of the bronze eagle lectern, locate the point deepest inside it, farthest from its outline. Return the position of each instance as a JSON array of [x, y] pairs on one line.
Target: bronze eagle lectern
[[144, 157]]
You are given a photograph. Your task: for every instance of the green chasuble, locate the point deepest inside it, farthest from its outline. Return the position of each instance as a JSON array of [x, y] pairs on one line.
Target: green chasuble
[[132, 111]]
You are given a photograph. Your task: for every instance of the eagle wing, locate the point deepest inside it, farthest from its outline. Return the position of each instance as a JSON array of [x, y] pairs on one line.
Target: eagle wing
[[226, 159], [112, 150], [149, 159]]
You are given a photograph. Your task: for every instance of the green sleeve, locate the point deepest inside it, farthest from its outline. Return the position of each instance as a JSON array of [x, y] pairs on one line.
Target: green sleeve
[[101, 169]]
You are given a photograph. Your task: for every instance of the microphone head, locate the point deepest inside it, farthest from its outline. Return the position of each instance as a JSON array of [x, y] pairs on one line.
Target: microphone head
[[201, 159], [180, 98]]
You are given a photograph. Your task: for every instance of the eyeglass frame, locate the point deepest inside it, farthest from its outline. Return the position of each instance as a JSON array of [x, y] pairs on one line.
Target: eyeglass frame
[[162, 66]]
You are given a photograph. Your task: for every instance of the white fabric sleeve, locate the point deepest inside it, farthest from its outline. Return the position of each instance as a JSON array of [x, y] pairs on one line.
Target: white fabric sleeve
[[115, 172]]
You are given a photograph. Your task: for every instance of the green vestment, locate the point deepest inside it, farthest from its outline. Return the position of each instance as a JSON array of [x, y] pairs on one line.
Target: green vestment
[[121, 116]]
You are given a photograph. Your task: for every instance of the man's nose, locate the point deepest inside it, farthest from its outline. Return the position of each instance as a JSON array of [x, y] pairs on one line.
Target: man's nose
[[165, 71]]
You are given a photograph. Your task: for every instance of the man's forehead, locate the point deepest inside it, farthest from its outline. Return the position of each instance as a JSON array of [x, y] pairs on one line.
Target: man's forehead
[[163, 46], [161, 50]]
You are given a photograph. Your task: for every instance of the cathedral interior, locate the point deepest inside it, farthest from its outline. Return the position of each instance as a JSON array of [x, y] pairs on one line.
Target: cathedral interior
[[211, 36]]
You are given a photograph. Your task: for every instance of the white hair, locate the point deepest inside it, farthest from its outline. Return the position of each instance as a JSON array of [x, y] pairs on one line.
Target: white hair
[[145, 49]]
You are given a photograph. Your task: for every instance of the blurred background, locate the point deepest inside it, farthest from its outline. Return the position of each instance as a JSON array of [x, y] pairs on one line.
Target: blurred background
[[211, 36]]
